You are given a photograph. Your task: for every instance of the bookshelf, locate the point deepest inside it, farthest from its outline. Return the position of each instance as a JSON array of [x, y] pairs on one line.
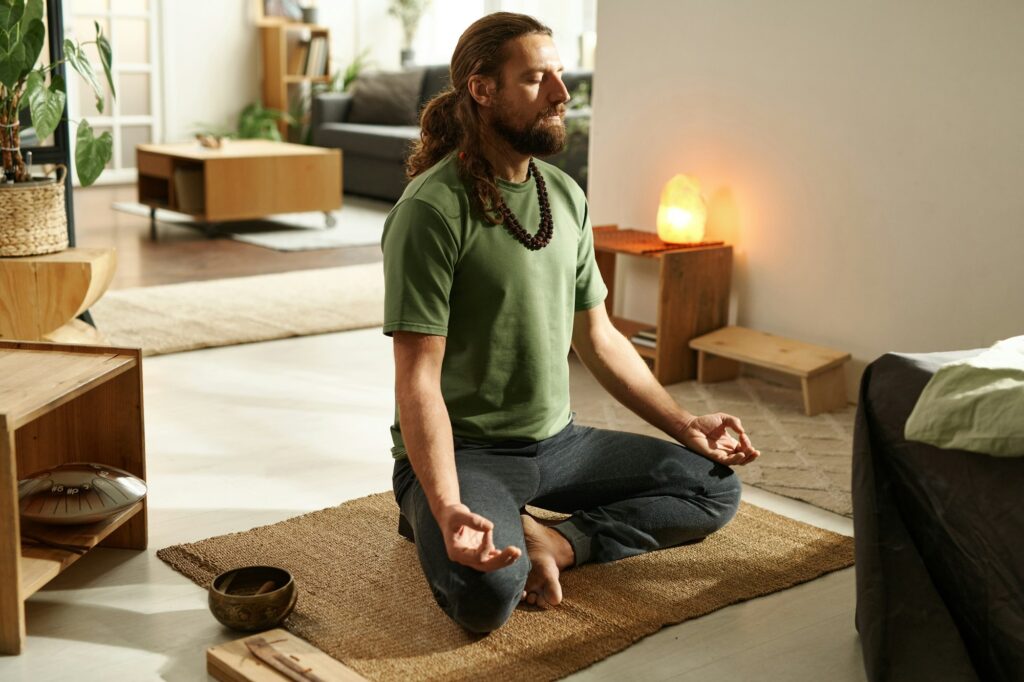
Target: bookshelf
[[294, 56]]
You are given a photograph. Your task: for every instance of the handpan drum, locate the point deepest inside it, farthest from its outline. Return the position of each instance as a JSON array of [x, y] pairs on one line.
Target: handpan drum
[[78, 492]]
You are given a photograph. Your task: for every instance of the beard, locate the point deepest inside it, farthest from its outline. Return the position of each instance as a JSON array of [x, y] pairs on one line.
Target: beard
[[542, 137]]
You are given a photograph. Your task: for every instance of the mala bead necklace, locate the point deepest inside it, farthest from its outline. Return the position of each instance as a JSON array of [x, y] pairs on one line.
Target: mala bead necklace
[[534, 242]]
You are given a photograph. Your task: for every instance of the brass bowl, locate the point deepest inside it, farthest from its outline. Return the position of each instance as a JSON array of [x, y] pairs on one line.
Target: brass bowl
[[235, 603]]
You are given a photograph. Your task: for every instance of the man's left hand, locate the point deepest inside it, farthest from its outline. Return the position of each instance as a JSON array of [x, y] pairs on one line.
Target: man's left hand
[[708, 435]]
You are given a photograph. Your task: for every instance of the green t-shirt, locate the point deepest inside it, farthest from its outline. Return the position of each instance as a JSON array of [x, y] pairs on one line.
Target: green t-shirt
[[507, 312]]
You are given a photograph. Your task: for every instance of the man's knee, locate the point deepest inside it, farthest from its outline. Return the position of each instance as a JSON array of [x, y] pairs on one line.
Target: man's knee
[[716, 489], [483, 602], [725, 495]]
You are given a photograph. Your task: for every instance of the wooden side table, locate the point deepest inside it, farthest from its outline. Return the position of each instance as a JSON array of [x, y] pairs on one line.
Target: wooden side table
[[245, 179], [693, 295], [58, 404], [40, 296]]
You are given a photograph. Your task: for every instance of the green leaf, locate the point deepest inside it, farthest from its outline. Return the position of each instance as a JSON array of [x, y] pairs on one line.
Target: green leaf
[[11, 12], [34, 9], [32, 39], [91, 153], [47, 107], [77, 59], [31, 83], [106, 57], [11, 65]]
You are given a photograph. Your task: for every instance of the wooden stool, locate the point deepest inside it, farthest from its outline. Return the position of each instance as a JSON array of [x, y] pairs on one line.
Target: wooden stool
[[40, 296], [820, 369]]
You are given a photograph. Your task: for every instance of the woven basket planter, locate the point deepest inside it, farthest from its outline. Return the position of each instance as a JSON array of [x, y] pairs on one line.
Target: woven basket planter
[[33, 220]]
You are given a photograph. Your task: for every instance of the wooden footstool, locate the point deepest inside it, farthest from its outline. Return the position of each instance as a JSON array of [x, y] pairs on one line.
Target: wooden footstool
[[820, 369]]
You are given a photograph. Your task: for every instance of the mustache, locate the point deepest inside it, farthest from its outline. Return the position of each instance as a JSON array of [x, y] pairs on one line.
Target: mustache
[[556, 111]]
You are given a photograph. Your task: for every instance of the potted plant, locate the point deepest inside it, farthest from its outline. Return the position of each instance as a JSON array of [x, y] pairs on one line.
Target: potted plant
[[408, 13], [32, 217]]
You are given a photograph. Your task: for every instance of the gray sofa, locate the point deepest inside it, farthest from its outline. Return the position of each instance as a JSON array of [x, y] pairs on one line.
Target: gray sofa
[[374, 153]]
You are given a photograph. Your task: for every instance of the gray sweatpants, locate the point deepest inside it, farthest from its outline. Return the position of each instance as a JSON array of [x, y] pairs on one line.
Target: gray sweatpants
[[627, 493]]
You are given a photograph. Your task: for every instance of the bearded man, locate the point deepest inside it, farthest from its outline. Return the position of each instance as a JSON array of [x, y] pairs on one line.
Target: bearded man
[[490, 276]]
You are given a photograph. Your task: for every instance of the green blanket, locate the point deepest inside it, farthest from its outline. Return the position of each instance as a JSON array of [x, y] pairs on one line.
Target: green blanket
[[975, 404]]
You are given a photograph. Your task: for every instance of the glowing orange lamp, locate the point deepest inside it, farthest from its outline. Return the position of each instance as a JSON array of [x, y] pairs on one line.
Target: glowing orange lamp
[[682, 213]]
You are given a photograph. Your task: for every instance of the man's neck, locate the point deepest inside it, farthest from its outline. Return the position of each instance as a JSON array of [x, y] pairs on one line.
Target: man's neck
[[508, 164]]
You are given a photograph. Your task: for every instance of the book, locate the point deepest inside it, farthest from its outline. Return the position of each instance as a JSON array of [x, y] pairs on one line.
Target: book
[[297, 63], [642, 341], [651, 334]]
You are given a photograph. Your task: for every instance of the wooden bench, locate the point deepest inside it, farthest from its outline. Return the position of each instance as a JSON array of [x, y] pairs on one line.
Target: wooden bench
[[820, 369]]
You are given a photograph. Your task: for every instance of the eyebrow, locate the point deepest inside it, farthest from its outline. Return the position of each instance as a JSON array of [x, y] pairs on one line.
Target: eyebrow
[[540, 69]]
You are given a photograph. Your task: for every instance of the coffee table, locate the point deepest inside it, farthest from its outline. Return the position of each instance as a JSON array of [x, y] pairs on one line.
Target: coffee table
[[242, 180]]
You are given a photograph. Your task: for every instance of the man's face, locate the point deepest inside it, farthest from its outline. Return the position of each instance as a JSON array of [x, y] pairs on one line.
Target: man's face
[[529, 111]]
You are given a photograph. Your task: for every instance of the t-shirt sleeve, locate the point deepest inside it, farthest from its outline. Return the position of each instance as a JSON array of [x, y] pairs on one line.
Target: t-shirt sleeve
[[590, 288], [420, 253]]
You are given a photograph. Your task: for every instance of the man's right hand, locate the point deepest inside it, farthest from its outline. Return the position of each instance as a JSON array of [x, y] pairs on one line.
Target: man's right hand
[[468, 537]]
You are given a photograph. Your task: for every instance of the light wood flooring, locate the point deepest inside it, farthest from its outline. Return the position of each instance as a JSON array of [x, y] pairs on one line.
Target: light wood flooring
[[248, 435], [181, 253]]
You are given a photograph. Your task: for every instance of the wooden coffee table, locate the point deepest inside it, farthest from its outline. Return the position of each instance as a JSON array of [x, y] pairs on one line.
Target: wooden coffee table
[[243, 180]]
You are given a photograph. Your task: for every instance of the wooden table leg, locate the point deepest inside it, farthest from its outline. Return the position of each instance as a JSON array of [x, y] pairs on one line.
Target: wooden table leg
[[824, 392], [12, 611], [714, 368], [152, 223]]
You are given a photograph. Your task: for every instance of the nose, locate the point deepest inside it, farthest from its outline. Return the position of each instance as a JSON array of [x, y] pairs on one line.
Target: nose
[[561, 93]]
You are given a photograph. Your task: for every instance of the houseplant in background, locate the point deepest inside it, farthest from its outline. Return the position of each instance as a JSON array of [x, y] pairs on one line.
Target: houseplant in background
[[408, 13], [32, 213]]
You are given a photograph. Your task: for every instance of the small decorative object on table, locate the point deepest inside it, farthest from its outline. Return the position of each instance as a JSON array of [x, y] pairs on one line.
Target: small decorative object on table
[[211, 141], [682, 212]]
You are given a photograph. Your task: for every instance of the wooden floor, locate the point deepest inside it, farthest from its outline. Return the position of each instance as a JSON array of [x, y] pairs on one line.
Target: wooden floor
[[184, 254]]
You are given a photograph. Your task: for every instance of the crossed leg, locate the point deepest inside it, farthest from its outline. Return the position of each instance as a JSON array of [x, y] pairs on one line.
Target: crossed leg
[[627, 494]]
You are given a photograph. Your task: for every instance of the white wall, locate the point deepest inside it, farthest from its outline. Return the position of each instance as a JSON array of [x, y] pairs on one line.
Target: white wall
[[865, 159], [210, 63]]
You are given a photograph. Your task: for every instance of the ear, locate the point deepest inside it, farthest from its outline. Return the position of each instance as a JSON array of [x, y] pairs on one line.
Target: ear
[[483, 89]]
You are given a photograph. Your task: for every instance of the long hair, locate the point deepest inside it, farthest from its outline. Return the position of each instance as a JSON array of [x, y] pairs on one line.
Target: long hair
[[451, 120]]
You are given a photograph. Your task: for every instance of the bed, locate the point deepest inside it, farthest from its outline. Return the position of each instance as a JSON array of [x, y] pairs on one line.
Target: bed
[[939, 540]]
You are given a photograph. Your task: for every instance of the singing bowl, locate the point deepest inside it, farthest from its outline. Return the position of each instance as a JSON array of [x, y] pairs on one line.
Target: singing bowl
[[234, 602]]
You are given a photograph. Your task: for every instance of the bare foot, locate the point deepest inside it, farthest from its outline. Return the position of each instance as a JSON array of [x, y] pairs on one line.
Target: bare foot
[[550, 553]]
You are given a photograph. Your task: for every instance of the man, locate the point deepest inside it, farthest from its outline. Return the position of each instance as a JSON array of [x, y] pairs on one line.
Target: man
[[490, 275]]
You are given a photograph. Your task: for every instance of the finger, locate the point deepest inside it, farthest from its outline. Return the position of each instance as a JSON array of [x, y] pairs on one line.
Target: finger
[[486, 547], [729, 458], [506, 557], [477, 522], [734, 424]]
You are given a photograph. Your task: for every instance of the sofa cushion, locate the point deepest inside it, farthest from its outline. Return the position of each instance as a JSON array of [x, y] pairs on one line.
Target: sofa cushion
[[382, 142], [387, 98], [435, 79]]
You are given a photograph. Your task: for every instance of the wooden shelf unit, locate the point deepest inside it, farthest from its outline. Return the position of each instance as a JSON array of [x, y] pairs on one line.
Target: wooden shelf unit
[[62, 403], [693, 295], [280, 42]]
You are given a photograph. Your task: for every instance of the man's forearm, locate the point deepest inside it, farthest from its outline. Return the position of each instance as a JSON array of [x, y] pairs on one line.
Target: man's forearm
[[427, 432], [618, 367]]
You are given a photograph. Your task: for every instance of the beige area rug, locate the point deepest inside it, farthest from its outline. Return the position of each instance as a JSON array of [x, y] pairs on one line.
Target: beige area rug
[[806, 458], [224, 312], [363, 598]]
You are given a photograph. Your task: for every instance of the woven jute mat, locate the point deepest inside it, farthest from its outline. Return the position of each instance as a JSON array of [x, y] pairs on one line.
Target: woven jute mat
[[363, 598]]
